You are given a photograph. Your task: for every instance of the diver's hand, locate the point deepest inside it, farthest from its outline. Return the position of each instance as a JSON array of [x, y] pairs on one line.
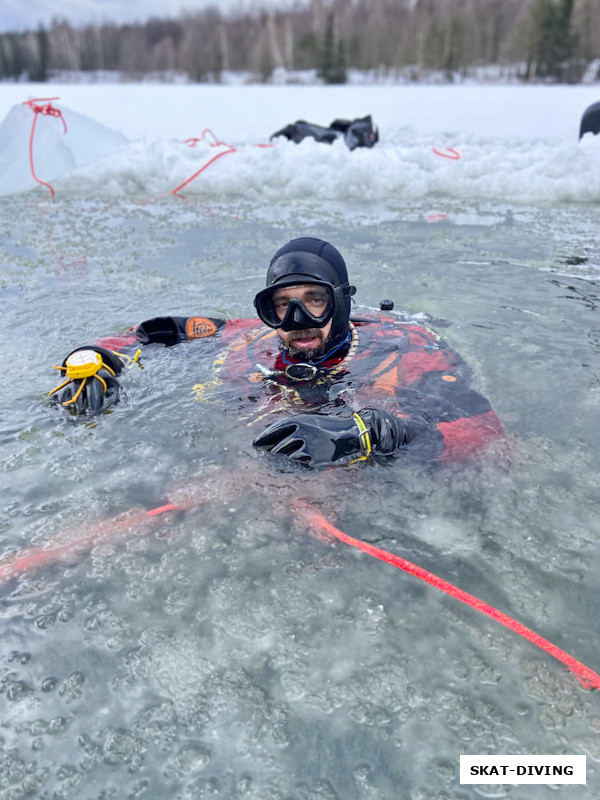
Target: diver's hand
[[314, 439], [90, 384], [387, 432], [311, 439]]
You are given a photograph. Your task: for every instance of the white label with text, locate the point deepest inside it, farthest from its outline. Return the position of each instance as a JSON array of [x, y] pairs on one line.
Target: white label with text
[[522, 769]]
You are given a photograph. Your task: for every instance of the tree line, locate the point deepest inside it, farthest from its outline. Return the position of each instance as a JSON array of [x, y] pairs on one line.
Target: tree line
[[551, 40]]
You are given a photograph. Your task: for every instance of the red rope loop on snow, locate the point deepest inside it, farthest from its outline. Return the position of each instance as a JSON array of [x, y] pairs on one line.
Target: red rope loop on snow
[[209, 137], [450, 153], [47, 110]]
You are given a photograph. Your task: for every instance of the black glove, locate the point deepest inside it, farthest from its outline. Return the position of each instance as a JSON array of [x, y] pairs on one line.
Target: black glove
[[90, 384], [387, 432], [314, 439]]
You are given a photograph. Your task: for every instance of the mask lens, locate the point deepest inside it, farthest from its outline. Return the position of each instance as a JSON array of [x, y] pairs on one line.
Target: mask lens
[[316, 303], [277, 306], [265, 309]]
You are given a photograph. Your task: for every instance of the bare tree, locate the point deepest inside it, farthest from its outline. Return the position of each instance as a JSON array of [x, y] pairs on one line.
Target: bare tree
[[63, 46], [586, 27], [556, 38]]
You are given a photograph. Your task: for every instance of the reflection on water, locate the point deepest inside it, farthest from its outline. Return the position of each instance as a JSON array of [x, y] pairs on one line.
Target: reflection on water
[[224, 651]]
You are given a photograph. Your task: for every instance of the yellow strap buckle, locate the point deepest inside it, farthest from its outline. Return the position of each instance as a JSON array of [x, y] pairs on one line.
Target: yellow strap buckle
[[128, 361], [364, 438]]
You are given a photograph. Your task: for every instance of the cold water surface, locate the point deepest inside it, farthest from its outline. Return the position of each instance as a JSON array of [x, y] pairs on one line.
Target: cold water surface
[[227, 652]]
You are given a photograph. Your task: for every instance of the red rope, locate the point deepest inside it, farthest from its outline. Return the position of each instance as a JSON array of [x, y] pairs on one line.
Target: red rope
[[38, 556], [161, 510], [450, 153], [47, 110], [206, 135], [436, 216], [586, 677], [35, 557]]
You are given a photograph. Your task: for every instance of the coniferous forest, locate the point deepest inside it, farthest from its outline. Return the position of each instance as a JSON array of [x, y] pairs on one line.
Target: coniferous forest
[[534, 40]]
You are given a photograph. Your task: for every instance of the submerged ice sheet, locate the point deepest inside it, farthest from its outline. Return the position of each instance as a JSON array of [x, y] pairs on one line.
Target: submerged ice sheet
[[225, 652]]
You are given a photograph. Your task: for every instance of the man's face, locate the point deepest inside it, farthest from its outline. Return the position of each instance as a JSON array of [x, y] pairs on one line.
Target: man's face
[[305, 343]]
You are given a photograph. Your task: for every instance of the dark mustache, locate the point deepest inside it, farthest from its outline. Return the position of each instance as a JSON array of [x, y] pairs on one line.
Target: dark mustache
[[306, 334]]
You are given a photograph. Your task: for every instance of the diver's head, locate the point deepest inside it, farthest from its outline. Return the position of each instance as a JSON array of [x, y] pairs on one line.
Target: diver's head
[[307, 299]]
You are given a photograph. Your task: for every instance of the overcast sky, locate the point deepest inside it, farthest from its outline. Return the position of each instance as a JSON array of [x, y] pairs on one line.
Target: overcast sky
[[27, 14]]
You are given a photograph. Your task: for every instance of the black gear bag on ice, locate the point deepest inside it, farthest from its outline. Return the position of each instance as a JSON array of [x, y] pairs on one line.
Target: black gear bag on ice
[[356, 132]]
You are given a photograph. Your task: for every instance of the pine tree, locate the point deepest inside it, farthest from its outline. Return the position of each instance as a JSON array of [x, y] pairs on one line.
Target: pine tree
[[332, 68], [38, 71], [553, 42]]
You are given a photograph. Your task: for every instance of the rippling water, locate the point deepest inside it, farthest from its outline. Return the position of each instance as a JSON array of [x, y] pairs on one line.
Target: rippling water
[[226, 652]]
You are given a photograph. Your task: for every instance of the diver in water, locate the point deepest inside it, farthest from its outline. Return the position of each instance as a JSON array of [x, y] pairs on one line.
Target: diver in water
[[337, 387]]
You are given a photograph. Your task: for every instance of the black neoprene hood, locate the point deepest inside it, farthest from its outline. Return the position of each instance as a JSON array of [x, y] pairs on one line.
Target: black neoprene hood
[[297, 267], [311, 260], [333, 270]]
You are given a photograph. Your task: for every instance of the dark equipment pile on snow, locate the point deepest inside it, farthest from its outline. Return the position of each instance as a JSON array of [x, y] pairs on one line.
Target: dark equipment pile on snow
[[590, 122], [356, 133]]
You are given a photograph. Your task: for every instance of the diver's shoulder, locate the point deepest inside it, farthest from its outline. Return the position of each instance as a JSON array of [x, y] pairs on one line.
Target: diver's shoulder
[[235, 326], [367, 318]]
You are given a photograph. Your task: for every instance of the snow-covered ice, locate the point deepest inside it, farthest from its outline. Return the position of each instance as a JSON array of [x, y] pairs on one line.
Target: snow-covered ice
[[517, 143]]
